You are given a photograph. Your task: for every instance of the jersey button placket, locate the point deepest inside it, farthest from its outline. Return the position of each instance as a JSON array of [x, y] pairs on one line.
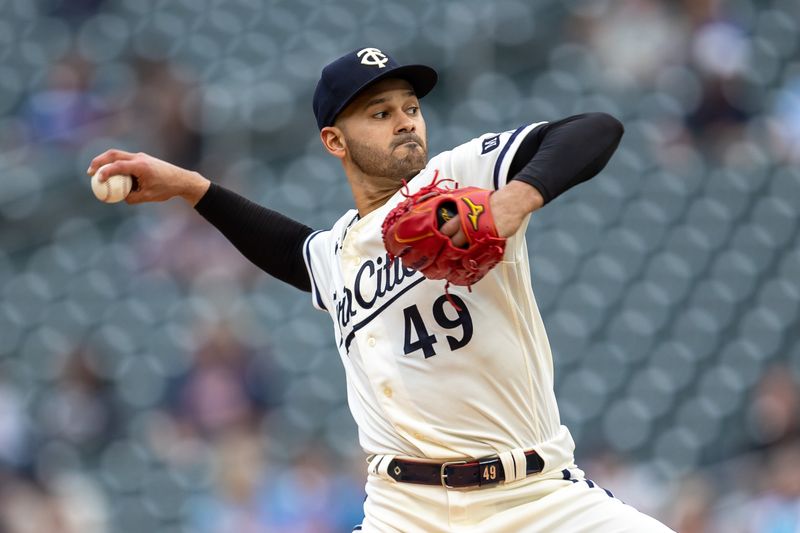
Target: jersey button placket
[[386, 389], [351, 248]]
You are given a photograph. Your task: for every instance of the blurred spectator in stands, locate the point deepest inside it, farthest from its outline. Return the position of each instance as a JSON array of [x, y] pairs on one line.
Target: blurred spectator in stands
[[13, 431], [80, 407], [226, 388], [632, 483], [239, 500], [26, 507], [785, 119], [691, 510], [70, 503], [311, 496], [62, 111], [720, 52], [774, 412], [777, 509], [634, 39], [80, 502], [720, 55], [251, 496], [161, 117], [152, 117], [346, 483]]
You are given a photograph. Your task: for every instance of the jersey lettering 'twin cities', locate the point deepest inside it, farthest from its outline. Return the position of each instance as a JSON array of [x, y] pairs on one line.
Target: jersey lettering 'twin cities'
[[374, 280]]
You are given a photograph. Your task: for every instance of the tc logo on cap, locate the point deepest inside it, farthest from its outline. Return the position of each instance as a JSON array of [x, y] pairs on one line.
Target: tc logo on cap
[[344, 78], [372, 57]]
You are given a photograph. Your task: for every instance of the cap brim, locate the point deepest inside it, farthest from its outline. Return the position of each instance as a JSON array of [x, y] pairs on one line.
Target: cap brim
[[421, 77]]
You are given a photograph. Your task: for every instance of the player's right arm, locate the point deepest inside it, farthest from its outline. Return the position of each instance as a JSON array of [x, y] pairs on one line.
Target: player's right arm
[[155, 180], [271, 241]]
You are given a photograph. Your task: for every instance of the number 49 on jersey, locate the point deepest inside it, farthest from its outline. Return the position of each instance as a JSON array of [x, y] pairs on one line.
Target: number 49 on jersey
[[415, 327]]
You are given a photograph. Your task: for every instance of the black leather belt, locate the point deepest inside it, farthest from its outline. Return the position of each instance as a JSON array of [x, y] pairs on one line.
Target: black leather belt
[[458, 474]]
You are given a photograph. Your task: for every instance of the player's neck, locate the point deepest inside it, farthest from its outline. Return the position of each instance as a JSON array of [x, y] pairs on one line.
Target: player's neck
[[370, 193]]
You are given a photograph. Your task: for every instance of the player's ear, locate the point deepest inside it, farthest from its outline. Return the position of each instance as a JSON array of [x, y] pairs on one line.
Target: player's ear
[[333, 140]]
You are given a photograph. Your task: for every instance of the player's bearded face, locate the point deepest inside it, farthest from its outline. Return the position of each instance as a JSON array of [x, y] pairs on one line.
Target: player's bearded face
[[401, 158], [384, 131]]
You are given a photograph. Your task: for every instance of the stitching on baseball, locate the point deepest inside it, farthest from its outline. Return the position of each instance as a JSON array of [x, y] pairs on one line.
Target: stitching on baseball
[[108, 190]]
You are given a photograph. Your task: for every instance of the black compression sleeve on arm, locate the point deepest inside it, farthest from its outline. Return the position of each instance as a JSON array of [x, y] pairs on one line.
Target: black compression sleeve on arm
[[559, 155], [273, 242]]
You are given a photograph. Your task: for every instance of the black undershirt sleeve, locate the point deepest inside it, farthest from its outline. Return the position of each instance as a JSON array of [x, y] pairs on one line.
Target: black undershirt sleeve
[[271, 241], [559, 155]]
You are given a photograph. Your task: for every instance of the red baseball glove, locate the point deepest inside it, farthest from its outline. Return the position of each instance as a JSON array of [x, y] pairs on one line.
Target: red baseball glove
[[411, 231]]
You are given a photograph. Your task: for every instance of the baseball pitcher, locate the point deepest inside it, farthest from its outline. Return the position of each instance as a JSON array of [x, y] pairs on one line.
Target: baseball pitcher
[[428, 286]]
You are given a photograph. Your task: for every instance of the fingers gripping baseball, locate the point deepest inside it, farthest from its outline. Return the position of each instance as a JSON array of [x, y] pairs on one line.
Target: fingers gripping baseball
[[154, 180], [109, 156]]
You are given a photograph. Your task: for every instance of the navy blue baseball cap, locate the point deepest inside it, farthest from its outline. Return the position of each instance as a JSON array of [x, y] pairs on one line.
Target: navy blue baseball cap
[[343, 79]]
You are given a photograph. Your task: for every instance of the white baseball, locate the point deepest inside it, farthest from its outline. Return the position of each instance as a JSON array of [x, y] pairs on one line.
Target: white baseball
[[114, 189]]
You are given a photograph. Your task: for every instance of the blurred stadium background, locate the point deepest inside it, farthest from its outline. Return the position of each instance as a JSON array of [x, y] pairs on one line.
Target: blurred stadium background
[[151, 380]]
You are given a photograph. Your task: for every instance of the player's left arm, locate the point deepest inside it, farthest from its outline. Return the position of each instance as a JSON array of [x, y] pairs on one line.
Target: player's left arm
[[552, 159]]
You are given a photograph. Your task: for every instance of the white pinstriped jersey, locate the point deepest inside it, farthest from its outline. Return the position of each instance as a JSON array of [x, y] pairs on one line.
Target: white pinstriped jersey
[[424, 380]]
